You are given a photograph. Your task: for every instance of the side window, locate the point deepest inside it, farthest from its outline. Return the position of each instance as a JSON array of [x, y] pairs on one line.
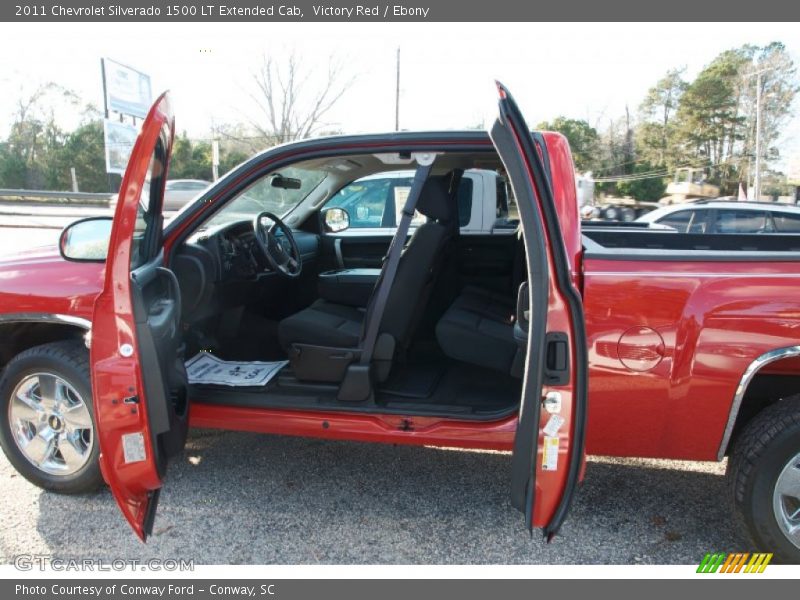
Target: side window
[[464, 199], [741, 221], [786, 222], [679, 221], [374, 202], [147, 229], [698, 222]]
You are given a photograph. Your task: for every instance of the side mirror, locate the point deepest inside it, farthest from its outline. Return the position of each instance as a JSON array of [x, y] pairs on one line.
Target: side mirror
[[86, 240], [335, 220]]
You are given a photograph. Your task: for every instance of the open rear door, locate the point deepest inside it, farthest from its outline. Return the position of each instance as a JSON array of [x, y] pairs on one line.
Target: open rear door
[[549, 445], [138, 375]]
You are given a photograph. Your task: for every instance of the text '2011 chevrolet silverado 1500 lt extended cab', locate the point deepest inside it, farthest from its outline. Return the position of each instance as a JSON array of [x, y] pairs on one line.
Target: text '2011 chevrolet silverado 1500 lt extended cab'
[[262, 307]]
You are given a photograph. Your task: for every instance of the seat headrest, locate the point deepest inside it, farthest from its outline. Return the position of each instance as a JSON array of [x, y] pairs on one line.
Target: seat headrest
[[434, 201]]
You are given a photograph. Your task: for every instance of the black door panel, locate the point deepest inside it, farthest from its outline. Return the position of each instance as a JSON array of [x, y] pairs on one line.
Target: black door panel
[[358, 252], [157, 310], [355, 251]]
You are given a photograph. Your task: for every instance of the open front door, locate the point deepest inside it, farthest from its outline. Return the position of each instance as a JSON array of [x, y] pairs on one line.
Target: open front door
[[549, 445], [138, 376]]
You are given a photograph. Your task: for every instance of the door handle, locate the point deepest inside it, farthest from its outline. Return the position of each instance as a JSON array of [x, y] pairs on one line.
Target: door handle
[[556, 362]]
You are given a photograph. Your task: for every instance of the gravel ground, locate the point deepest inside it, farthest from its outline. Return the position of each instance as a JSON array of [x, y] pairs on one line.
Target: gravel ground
[[237, 498]]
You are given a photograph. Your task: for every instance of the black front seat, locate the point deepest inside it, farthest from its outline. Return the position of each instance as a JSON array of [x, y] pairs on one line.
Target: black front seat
[[335, 326]]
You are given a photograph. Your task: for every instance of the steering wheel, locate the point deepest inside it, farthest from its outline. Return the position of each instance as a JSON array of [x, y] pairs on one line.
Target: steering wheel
[[281, 252]]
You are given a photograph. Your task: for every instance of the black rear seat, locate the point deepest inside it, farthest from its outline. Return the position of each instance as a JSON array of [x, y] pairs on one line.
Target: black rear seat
[[478, 328]]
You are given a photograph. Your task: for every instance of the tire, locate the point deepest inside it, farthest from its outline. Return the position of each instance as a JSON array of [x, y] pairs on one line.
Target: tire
[[767, 449], [610, 213], [69, 425]]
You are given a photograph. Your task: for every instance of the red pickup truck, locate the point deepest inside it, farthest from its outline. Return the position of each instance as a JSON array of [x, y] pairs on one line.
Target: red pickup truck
[[550, 341]]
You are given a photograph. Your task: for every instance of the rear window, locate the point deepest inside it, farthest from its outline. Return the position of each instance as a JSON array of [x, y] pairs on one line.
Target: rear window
[[786, 223]]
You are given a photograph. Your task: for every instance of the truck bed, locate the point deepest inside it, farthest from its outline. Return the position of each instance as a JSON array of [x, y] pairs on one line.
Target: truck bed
[[676, 320]]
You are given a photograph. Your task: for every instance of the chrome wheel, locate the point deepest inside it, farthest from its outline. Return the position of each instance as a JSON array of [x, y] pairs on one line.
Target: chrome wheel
[[51, 424], [786, 500]]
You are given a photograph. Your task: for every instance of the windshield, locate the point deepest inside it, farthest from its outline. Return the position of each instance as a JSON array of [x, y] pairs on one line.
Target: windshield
[[278, 193]]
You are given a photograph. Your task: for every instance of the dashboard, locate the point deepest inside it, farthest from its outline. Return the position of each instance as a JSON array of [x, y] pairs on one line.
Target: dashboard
[[217, 268], [238, 254]]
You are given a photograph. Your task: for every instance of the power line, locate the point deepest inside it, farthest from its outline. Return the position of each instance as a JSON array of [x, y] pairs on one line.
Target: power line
[[666, 172]]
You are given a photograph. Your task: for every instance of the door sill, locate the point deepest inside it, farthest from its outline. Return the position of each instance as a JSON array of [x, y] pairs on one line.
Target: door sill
[[456, 393]]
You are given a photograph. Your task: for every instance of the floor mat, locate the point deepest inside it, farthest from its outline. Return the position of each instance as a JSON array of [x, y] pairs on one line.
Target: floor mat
[[206, 369], [452, 383], [416, 381]]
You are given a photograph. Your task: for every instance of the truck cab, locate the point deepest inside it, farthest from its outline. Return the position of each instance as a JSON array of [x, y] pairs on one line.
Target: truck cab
[[346, 288]]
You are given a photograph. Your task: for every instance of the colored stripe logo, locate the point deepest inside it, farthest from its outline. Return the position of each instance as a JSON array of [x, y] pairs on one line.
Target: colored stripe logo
[[735, 562]]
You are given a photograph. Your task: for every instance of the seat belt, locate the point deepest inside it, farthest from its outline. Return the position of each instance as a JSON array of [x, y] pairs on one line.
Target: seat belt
[[372, 321]]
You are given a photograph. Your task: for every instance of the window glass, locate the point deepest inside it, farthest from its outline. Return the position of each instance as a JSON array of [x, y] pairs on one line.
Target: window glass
[[277, 192], [465, 201], [698, 222], [502, 198], [679, 221], [366, 200], [741, 221], [378, 200], [149, 205], [786, 222]]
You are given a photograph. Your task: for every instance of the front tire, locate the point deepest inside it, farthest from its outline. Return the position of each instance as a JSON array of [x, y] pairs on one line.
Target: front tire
[[47, 427], [764, 472]]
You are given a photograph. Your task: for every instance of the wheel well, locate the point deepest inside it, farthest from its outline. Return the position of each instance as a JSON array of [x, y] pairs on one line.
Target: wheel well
[[769, 385], [18, 337]]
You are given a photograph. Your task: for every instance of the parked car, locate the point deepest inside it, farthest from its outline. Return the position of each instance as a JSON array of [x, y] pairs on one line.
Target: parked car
[[552, 343], [178, 192], [726, 217]]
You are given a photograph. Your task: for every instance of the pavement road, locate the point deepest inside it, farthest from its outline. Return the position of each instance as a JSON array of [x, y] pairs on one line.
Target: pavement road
[[238, 498], [24, 226]]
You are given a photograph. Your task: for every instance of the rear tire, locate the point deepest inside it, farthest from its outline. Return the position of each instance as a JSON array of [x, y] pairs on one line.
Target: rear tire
[[764, 474], [53, 444]]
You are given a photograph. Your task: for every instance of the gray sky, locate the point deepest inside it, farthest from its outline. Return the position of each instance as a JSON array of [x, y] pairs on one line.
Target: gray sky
[[580, 70]]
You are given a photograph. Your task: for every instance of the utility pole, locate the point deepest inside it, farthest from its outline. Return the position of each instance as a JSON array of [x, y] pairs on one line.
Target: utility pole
[[397, 95], [757, 169], [214, 159], [757, 179]]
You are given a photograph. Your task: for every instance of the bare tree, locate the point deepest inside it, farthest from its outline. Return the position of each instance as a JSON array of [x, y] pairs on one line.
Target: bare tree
[[293, 100]]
